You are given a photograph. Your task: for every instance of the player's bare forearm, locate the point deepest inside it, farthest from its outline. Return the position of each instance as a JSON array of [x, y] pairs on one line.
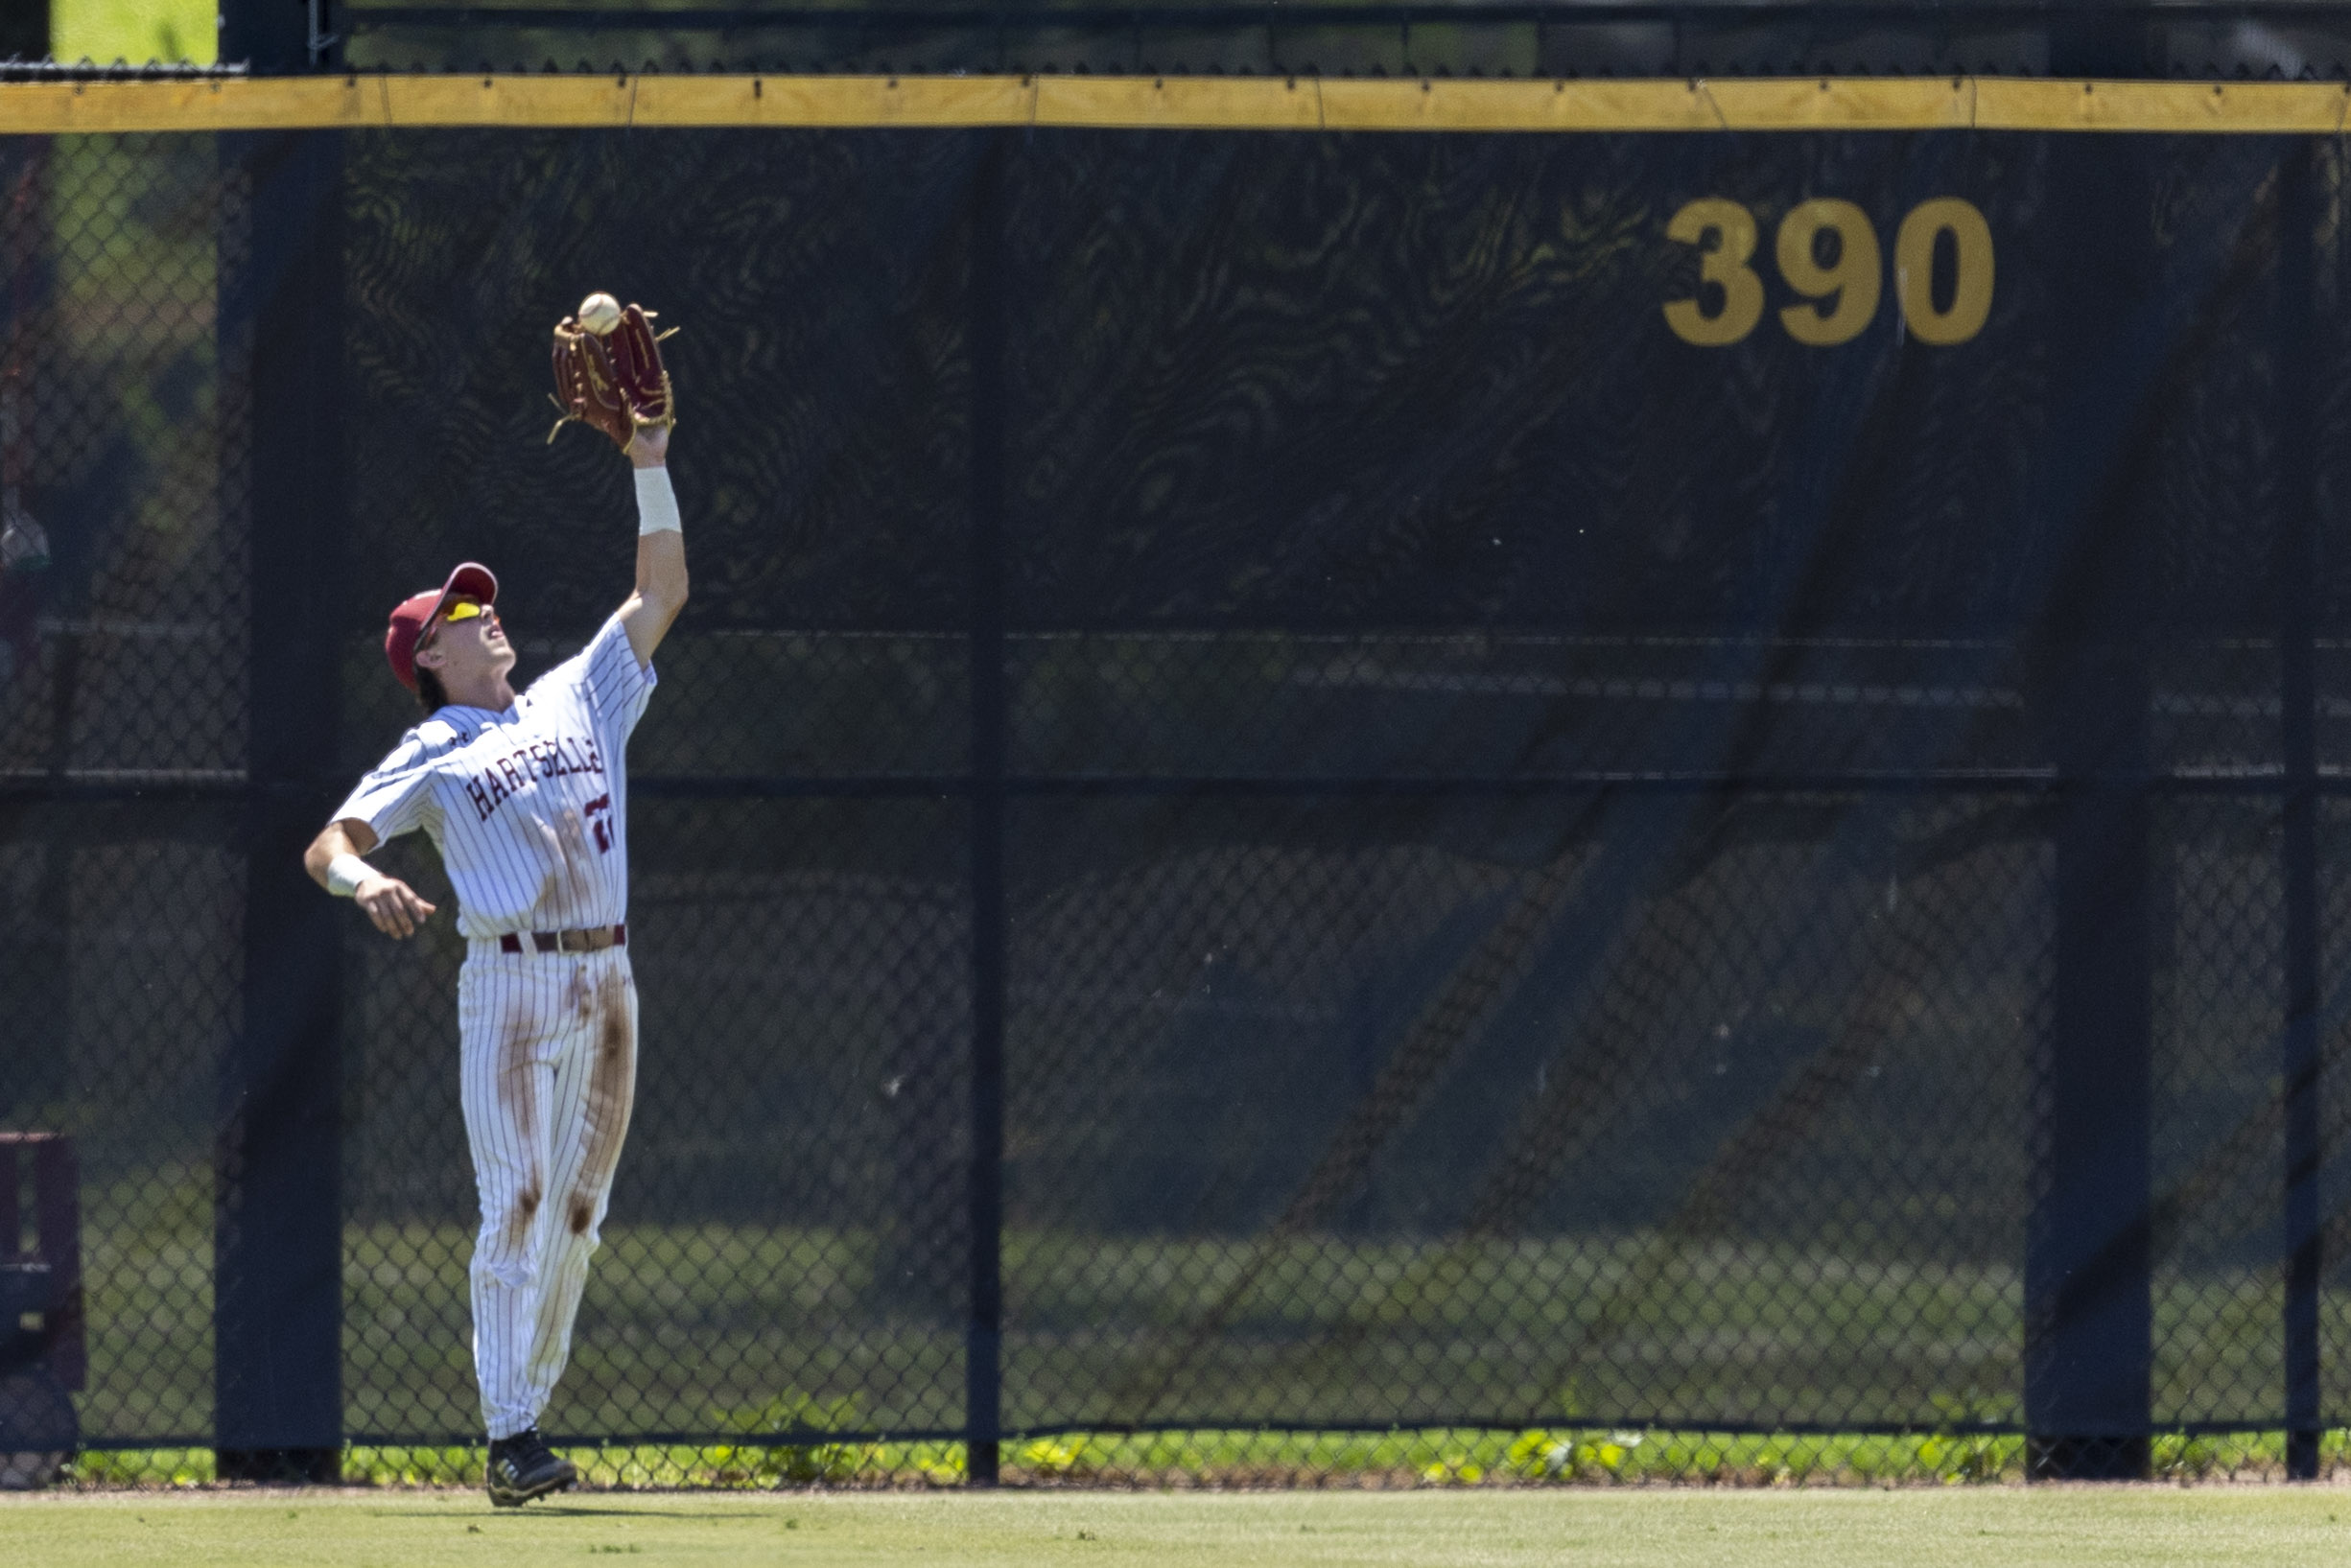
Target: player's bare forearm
[[390, 904], [345, 837], [661, 563]]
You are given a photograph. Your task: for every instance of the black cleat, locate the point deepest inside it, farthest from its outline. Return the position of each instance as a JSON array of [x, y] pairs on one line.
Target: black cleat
[[521, 1469]]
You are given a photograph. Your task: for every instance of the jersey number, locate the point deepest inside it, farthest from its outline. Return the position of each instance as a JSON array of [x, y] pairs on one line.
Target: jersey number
[[603, 825]]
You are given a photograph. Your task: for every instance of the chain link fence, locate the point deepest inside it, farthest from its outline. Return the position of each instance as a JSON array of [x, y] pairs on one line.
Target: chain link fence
[[1284, 844]]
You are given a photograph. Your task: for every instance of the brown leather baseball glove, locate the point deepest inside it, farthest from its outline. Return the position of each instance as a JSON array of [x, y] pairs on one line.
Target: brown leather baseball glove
[[614, 381]]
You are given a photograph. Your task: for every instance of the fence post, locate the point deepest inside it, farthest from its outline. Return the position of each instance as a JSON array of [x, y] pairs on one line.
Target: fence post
[[24, 29], [278, 1230], [2089, 1310], [2297, 571], [983, 1339], [2088, 1300], [272, 36]]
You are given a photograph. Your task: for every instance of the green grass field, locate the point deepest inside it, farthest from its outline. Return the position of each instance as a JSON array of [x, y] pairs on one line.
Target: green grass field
[[1993, 1527]]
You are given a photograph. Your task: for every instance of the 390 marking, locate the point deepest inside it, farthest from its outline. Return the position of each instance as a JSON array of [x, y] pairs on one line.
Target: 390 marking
[[1841, 296]]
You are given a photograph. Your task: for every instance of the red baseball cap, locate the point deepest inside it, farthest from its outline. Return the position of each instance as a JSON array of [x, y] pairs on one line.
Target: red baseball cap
[[413, 614]]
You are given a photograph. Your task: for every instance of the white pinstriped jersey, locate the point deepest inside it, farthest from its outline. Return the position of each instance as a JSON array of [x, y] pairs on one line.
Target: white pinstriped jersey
[[528, 807]]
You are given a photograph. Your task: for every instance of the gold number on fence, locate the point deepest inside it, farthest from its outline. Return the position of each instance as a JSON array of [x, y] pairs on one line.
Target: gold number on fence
[[1852, 278], [1914, 271], [1723, 264], [1841, 295]]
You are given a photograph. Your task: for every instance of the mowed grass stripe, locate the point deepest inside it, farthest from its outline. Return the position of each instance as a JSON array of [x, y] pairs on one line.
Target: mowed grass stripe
[[1998, 1527]]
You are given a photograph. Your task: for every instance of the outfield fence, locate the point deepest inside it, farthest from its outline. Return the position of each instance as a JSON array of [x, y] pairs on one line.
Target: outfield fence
[[1640, 783]]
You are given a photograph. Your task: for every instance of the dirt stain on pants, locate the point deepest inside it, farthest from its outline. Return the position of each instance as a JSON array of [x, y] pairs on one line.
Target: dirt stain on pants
[[611, 1092], [517, 1088]]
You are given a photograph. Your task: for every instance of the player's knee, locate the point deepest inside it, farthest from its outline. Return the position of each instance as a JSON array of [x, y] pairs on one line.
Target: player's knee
[[516, 1270], [504, 1246]]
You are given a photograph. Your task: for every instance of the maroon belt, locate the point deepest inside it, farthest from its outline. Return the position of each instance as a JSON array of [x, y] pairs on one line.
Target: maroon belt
[[595, 939]]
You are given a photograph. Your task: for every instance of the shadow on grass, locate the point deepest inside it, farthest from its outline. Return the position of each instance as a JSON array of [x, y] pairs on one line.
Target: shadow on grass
[[541, 1510]]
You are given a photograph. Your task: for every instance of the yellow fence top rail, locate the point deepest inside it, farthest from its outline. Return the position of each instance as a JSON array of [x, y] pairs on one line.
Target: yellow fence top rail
[[1173, 104]]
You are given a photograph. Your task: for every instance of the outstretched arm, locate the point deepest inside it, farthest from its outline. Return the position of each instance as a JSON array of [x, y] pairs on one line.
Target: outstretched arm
[[389, 903], [661, 552]]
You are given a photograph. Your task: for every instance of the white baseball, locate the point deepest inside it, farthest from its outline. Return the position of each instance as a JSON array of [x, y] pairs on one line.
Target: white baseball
[[600, 313]]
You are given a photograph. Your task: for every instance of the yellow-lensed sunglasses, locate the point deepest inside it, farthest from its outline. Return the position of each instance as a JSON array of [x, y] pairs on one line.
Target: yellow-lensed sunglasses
[[464, 609]]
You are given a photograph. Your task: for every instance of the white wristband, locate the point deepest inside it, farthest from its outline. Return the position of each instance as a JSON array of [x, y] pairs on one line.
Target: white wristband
[[656, 503], [345, 873]]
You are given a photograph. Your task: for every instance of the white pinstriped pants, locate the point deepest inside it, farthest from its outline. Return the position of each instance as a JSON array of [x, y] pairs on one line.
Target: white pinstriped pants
[[549, 1058]]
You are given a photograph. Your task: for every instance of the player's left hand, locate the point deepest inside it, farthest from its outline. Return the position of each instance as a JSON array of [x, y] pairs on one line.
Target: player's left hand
[[650, 446]]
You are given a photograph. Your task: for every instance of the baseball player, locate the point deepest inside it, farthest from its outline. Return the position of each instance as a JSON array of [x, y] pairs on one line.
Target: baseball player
[[527, 799]]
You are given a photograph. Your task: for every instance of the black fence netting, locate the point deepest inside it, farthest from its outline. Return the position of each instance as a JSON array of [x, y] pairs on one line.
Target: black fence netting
[[1338, 809], [2200, 39]]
